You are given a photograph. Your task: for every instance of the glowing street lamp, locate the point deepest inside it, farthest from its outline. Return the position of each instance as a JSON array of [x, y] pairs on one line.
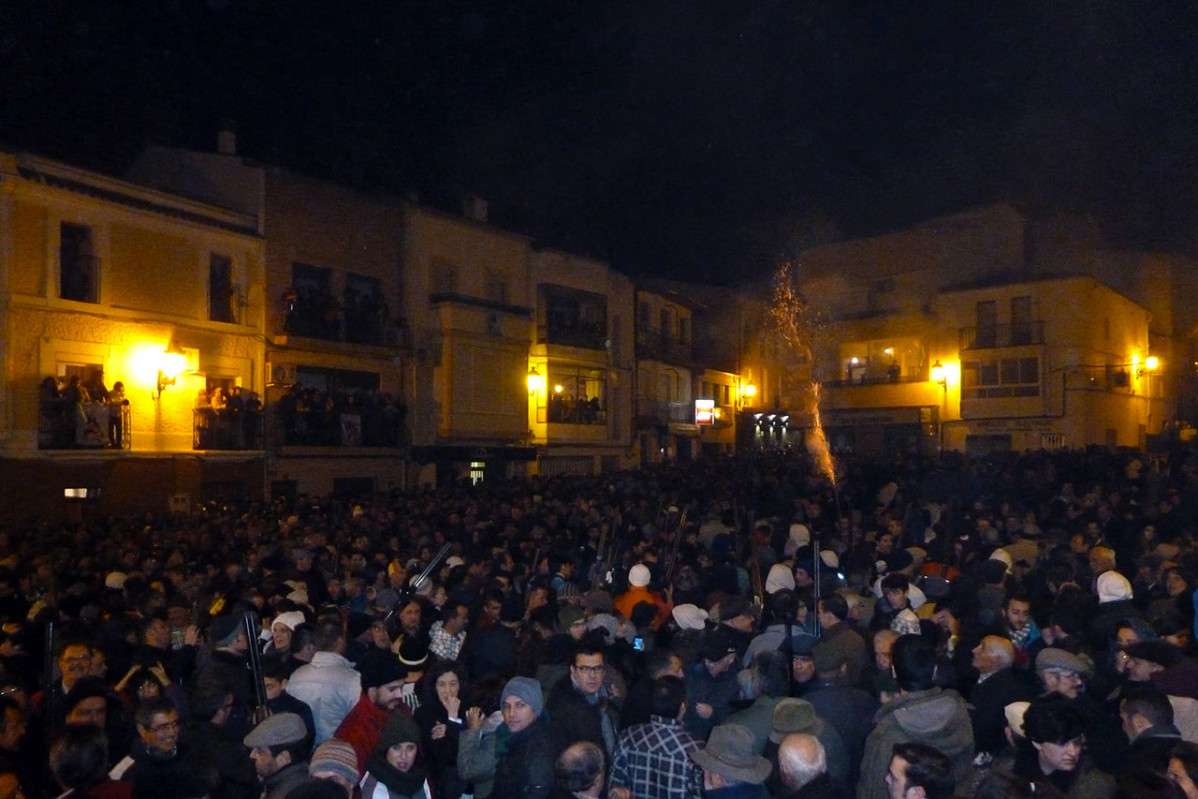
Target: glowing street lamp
[[534, 380], [939, 376], [171, 364]]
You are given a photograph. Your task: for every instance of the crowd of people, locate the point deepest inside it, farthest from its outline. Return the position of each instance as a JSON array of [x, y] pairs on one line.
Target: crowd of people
[[227, 419], [1019, 625], [77, 413], [362, 418]]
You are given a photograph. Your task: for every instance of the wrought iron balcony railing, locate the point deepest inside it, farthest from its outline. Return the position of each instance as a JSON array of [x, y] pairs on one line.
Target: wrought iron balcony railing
[[992, 336], [227, 428], [65, 424]]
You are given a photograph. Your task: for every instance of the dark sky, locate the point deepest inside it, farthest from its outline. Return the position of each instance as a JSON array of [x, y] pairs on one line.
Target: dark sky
[[690, 138]]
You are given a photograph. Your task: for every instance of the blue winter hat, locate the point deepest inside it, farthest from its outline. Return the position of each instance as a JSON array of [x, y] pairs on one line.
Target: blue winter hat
[[528, 689]]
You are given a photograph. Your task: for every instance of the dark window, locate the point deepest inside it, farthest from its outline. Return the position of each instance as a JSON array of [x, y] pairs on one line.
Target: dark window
[[365, 310], [1009, 371], [987, 314], [312, 309], [1029, 370], [79, 269], [221, 292], [988, 374], [1021, 320], [495, 287], [571, 317]]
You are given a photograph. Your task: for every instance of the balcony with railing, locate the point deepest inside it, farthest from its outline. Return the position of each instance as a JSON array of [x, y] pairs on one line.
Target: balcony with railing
[[993, 336], [867, 378], [651, 411], [66, 424], [226, 429], [355, 319], [573, 333], [567, 410], [653, 345], [309, 418]]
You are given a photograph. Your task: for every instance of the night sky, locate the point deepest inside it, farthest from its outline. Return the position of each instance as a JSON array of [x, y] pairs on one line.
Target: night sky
[[692, 138]]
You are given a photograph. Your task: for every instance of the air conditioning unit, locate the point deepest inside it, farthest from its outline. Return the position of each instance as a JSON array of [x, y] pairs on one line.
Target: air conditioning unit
[[281, 374]]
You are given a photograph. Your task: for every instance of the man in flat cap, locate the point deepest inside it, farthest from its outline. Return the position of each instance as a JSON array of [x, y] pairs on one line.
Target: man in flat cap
[[1062, 672], [279, 748]]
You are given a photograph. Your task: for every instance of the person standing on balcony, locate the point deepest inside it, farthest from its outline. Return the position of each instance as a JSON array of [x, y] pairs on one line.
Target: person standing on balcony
[[117, 403]]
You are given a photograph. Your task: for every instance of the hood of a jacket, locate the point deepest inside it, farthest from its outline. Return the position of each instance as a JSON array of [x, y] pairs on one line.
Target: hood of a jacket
[[929, 715]]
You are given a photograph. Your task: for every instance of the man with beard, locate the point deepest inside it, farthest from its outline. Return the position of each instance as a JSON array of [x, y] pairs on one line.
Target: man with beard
[[1022, 631], [382, 694]]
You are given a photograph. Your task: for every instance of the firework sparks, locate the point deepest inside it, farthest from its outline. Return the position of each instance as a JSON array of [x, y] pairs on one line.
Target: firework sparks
[[799, 330]]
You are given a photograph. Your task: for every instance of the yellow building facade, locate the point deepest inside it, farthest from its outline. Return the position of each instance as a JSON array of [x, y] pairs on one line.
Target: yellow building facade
[[952, 335], [108, 282], [336, 339], [469, 302], [582, 354]]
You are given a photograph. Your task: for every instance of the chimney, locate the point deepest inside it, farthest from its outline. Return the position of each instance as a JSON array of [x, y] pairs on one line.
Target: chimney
[[226, 137], [474, 207]]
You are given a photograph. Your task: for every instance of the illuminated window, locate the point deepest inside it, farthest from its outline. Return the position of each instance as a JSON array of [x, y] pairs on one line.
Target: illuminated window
[[477, 471], [576, 396], [1004, 377]]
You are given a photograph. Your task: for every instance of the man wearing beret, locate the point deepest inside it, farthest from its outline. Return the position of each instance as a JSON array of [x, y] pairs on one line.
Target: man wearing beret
[[279, 748], [382, 694]]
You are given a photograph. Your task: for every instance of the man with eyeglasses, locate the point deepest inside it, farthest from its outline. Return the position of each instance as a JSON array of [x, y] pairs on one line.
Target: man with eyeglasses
[[1062, 672], [155, 765], [580, 702]]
